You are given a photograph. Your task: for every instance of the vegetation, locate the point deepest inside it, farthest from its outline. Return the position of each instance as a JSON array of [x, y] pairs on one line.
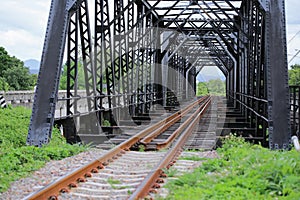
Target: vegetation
[[244, 171], [18, 160], [116, 184], [79, 77], [213, 87], [193, 158], [112, 181], [202, 89], [171, 172], [13, 74], [141, 148], [105, 123], [294, 75]]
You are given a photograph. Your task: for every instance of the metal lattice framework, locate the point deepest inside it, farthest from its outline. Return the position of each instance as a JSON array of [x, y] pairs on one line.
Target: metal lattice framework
[[144, 52]]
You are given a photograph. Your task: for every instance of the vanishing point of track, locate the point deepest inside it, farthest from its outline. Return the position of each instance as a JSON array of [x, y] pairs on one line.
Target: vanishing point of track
[[131, 180]]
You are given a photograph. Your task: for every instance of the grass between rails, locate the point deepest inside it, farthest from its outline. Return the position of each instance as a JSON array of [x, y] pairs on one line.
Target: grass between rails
[[18, 160], [244, 171]]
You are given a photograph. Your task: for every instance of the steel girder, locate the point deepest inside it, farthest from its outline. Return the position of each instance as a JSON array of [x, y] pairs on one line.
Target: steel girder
[[277, 76], [72, 63], [148, 52], [42, 118], [87, 53]]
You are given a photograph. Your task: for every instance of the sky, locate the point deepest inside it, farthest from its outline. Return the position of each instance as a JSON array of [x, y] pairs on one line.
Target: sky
[[23, 25]]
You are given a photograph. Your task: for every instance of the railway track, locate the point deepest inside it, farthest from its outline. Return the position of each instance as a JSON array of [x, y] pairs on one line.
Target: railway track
[[124, 174]]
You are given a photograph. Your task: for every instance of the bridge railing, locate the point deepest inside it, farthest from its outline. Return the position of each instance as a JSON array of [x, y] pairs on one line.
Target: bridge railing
[[294, 103]]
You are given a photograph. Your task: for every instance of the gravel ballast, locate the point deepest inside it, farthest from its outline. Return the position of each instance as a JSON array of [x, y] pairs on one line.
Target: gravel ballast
[[55, 169], [49, 173]]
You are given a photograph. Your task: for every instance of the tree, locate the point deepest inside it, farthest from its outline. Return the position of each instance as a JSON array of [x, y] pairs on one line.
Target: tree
[[3, 84], [13, 74], [296, 66], [18, 78], [216, 87], [294, 75], [80, 78], [202, 89]]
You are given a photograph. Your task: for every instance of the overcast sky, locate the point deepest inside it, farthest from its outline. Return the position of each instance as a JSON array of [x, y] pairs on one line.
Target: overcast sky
[[23, 24]]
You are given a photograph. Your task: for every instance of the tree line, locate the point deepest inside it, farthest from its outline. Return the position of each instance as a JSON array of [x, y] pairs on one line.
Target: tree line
[[13, 74], [213, 87]]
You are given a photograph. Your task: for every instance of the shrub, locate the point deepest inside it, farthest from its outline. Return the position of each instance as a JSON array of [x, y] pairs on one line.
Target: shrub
[[244, 171], [16, 158]]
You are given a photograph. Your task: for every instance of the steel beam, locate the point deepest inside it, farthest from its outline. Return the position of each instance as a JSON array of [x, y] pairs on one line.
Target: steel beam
[[42, 118], [87, 56], [278, 90]]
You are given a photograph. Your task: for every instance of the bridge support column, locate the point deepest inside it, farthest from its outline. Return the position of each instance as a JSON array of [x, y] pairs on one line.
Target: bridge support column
[[277, 69], [42, 118]]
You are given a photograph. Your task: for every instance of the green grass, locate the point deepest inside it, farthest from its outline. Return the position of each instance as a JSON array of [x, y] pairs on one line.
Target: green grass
[[171, 172], [141, 148], [192, 158], [244, 171], [112, 181], [18, 160], [115, 184]]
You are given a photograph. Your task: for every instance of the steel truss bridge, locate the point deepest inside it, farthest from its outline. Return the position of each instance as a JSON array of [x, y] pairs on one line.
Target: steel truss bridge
[[136, 54]]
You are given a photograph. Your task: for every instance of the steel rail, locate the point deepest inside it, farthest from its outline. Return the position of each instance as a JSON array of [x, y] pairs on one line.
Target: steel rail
[[63, 184], [180, 115], [153, 178], [180, 129]]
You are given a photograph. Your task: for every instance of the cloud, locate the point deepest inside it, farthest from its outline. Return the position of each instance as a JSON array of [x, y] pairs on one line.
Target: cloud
[[292, 11], [23, 26], [293, 28], [24, 15], [21, 43]]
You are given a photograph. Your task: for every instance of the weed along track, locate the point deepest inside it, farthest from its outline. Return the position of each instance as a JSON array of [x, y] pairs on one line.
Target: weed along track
[[122, 173]]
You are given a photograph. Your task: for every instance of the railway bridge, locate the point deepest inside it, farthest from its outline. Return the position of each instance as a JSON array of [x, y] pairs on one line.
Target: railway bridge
[[138, 55]]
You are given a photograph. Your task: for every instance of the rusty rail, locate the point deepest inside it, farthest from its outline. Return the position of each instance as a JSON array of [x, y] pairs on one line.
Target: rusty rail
[[63, 184], [171, 122], [180, 129], [152, 179]]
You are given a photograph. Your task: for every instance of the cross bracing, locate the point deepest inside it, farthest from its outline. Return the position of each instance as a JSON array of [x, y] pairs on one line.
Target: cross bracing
[[141, 53]]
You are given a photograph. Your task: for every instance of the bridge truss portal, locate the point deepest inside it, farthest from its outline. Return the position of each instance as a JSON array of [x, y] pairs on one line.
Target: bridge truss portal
[[136, 54]]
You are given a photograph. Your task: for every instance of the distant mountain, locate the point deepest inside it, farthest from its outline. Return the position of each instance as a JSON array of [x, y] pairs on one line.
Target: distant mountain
[[208, 77], [210, 73], [33, 65]]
